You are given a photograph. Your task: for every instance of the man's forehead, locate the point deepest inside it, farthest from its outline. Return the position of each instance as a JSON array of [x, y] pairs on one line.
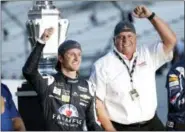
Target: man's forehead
[[73, 50], [126, 32]]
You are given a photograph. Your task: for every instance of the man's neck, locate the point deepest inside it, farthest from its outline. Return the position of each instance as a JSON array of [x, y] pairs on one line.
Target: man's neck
[[129, 56], [70, 74]]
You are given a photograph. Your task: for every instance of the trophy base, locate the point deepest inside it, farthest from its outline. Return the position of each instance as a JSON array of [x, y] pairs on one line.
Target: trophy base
[[30, 109]]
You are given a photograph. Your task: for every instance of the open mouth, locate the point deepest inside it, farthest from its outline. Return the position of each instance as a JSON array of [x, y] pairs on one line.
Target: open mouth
[[75, 63], [127, 44]]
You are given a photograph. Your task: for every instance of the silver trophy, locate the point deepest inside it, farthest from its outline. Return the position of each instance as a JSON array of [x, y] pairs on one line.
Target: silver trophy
[[44, 15]]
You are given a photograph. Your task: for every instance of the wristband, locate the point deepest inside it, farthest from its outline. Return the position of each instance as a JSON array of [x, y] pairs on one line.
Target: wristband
[[41, 41], [151, 16]]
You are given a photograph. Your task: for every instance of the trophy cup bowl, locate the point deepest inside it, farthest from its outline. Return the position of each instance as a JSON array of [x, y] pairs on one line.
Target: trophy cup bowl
[[45, 15]]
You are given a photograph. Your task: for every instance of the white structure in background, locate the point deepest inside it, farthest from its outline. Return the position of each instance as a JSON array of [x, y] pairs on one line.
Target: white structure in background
[[45, 15], [92, 40]]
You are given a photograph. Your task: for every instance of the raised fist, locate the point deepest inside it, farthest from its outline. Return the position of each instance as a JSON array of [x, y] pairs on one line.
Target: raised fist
[[47, 34], [141, 12]]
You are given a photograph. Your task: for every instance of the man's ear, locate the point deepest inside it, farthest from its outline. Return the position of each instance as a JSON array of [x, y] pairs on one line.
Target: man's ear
[[60, 58]]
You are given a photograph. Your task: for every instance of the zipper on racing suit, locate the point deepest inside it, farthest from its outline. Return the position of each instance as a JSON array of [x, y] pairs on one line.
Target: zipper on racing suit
[[70, 101]]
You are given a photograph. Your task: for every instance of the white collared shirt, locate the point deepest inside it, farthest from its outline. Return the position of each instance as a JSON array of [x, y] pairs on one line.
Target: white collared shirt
[[112, 82]]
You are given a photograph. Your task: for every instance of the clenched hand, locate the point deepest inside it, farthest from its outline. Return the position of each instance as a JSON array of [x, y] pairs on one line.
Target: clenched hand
[[141, 12], [47, 34]]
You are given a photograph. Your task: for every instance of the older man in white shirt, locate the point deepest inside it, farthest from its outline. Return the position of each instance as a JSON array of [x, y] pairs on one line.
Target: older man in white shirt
[[125, 78]]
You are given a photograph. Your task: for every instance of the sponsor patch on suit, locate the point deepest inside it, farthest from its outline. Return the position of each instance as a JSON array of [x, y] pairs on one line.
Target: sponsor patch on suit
[[84, 96], [57, 91], [82, 89], [174, 83], [65, 98], [83, 104]]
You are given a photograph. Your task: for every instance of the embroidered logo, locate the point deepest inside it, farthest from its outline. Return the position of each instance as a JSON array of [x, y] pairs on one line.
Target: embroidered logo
[[68, 110]]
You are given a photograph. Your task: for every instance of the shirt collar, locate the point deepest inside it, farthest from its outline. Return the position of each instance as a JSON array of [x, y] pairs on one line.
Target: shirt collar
[[124, 56]]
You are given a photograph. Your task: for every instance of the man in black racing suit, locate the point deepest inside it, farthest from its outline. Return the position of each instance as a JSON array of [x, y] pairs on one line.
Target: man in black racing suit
[[68, 102]]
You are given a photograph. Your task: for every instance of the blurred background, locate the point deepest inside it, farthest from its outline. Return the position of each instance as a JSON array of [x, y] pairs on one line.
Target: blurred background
[[92, 24]]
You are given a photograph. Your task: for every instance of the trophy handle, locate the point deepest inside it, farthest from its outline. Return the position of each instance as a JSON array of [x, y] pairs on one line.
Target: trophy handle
[[37, 28], [63, 28], [30, 33], [33, 31]]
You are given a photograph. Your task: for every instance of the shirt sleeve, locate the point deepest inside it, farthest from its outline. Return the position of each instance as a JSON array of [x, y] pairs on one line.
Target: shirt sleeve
[[13, 111], [30, 70], [158, 55], [98, 79]]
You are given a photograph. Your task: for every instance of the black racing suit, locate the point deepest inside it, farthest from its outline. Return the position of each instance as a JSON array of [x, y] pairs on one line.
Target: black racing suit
[[68, 104], [176, 97]]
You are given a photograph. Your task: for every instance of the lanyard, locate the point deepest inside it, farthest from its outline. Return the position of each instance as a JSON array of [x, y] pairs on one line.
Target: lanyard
[[133, 66]]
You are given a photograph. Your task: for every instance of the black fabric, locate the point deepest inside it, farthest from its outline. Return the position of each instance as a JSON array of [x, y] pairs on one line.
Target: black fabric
[[67, 103], [124, 26], [152, 125], [176, 127], [58, 66]]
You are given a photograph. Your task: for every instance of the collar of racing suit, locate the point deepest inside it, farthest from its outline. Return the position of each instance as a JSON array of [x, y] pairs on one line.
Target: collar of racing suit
[[68, 79]]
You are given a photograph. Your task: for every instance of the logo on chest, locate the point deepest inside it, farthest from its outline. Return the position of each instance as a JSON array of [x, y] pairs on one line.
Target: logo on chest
[[63, 94], [65, 97], [84, 96], [57, 91], [68, 110], [82, 89], [75, 94], [143, 63]]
